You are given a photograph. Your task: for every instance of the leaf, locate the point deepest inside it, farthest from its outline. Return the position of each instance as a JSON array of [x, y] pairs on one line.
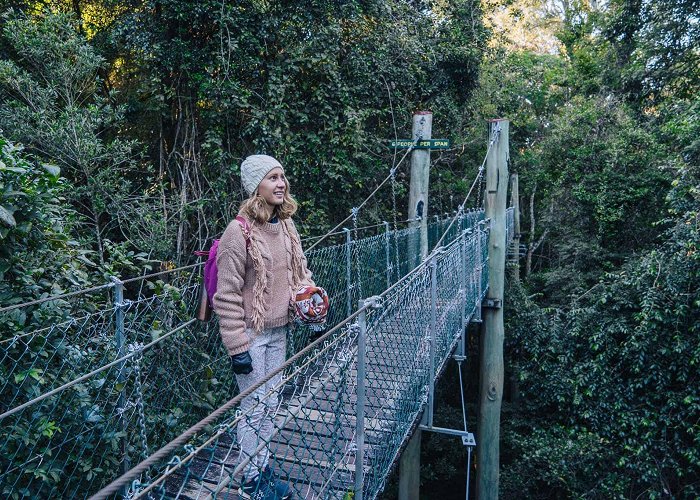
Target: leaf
[[155, 334], [209, 397], [85, 260], [5, 168], [51, 169], [35, 373], [14, 194], [6, 217], [94, 418]]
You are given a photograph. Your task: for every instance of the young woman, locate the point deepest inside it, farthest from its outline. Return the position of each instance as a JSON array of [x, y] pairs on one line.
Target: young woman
[[261, 265]]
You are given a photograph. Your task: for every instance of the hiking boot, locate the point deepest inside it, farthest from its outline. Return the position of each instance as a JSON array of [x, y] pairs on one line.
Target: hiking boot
[[281, 488], [257, 488]]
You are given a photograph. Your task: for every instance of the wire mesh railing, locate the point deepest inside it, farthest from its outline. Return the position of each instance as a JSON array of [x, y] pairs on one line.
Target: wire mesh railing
[[85, 397], [94, 382], [344, 408]]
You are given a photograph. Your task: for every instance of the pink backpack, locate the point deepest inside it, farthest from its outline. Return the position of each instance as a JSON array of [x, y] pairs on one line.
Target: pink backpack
[[211, 270]]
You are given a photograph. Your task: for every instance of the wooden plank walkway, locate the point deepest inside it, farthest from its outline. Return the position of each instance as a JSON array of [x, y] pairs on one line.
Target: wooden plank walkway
[[313, 445]]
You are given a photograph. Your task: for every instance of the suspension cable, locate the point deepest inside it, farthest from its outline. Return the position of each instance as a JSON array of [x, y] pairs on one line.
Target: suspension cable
[[494, 137], [363, 228], [56, 297]]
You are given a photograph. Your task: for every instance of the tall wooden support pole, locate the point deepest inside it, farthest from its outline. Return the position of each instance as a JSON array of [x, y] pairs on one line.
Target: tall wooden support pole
[[409, 469], [420, 177], [491, 365], [515, 203], [409, 466]]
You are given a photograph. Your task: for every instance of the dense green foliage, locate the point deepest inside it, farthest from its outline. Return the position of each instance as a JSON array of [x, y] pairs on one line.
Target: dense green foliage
[[37, 255], [53, 105], [602, 344], [166, 98], [608, 384]]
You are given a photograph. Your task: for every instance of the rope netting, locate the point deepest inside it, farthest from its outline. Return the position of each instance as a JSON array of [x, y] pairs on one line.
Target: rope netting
[[93, 383]]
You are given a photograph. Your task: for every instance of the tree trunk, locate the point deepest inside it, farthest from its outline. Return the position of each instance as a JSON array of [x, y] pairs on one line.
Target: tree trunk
[[530, 250]]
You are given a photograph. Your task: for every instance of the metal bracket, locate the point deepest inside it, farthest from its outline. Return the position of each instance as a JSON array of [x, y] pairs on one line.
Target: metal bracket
[[374, 302], [467, 437], [491, 303], [468, 440]]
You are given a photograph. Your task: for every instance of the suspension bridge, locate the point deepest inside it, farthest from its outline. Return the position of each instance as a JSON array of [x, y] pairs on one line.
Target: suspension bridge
[[119, 391]]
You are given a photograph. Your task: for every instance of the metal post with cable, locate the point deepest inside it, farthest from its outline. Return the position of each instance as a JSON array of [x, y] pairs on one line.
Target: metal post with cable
[[360, 404], [387, 248], [121, 377], [348, 268]]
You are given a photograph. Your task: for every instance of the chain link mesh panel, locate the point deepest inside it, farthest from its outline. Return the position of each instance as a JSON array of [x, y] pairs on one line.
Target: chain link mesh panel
[[99, 419], [73, 442]]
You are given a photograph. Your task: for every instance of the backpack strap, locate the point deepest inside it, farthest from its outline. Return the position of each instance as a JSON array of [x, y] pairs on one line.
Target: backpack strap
[[245, 226]]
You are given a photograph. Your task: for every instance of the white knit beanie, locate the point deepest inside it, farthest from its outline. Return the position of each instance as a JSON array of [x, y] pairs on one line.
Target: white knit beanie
[[254, 169]]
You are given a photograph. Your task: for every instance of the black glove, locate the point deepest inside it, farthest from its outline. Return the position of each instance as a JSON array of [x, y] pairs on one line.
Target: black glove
[[241, 363], [314, 335]]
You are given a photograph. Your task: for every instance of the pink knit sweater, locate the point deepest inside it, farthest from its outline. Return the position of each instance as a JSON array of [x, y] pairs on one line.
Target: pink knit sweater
[[233, 301]]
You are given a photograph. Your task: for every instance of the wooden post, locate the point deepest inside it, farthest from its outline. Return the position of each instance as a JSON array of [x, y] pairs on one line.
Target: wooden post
[[515, 203], [409, 469], [491, 365], [420, 177], [409, 466], [513, 382]]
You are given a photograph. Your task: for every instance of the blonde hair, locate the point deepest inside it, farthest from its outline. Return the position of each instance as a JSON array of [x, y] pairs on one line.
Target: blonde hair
[[256, 209]]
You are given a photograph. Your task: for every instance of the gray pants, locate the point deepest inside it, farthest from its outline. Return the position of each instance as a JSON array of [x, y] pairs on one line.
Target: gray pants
[[268, 351]]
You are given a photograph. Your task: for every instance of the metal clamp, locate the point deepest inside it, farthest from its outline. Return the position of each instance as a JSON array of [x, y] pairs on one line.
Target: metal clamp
[[374, 302], [491, 303], [468, 440]]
